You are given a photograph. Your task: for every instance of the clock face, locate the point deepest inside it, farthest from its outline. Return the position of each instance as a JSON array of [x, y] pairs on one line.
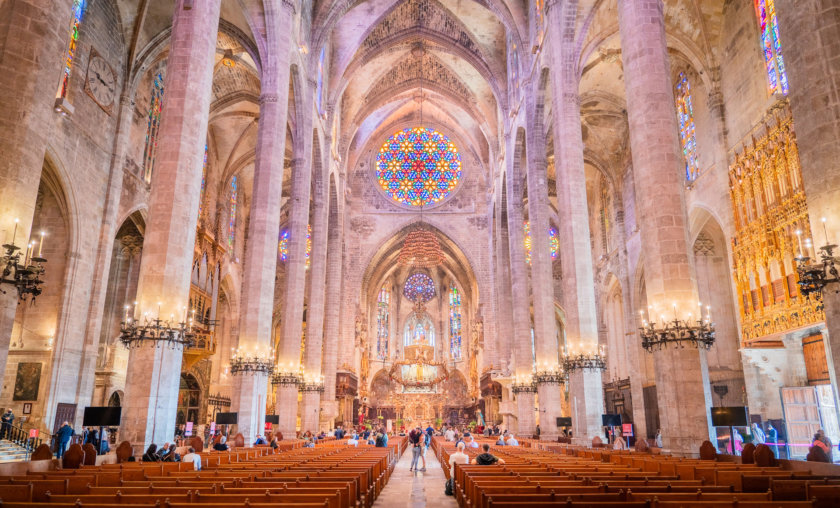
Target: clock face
[[101, 82]]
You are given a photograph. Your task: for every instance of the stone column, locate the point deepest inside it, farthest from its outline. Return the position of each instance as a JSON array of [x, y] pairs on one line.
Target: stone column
[[260, 266], [292, 320], [521, 338], [586, 399], [151, 398], [312, 355], [682, 376], [809, 31], [33, 45], [545, 322], [332, 310]]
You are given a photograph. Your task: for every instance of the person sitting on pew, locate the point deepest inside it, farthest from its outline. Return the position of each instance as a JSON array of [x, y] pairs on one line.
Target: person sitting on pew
[[472, 443], [193, 457], [619, 443], [260, 440], [511, 441], [487, 458], [458, 457], [221, 446], [273, 443], [171, 456], [354, 440], [310, 443], [501, 441], [162, 452], [459, 439], [151, 454]]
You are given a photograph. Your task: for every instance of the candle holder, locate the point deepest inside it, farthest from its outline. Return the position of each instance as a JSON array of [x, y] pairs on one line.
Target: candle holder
[[553, 375], [286, 378], [584, 361], [523, 384], [241, 364], [134, 334], [218, 401], [813, 278], [311, 386], [677, 333], [25, 276]]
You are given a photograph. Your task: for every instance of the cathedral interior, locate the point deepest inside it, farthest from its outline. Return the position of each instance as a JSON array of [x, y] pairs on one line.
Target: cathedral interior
[[405, 212]]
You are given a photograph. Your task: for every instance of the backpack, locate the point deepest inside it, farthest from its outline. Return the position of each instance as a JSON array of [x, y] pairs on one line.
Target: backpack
[[450, 487], [380, 443]]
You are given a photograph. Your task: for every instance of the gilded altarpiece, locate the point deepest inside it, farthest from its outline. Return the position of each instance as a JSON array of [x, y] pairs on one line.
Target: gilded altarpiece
[[769, 207]]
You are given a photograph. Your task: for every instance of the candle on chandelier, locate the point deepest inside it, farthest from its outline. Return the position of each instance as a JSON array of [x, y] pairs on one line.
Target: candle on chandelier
[[41, 247], [799, 239], [14, 233], [825, 230]]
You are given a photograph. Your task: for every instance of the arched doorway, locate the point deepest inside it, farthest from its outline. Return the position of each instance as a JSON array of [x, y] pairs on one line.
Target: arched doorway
[[115, 400], [189, 397]]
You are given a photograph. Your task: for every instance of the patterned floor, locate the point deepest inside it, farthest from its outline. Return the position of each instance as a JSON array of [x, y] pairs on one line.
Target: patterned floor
[[411, 489]]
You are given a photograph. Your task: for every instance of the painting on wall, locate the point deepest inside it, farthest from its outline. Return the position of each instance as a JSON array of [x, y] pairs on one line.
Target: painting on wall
[[27, 381]]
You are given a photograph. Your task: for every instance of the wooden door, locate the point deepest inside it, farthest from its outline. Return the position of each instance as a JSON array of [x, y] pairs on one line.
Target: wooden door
[[802, 418], [64, 413], [816, 365]]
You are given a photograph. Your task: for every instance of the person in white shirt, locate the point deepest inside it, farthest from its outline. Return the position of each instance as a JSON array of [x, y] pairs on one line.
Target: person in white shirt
[[193, 457], [472, 443], [354, 440], [458, 457], [449, 435], [511, 441], [658, 439]]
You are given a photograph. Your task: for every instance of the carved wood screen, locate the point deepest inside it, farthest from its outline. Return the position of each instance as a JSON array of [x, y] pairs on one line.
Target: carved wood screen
[[769, 206]]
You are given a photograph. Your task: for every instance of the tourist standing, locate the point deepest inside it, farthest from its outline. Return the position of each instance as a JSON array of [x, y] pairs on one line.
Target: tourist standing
[[63, 436], [7, 419], [415, 440]]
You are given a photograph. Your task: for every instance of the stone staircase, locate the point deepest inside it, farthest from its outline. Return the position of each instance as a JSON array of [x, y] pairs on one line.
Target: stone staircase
[[11, 452]]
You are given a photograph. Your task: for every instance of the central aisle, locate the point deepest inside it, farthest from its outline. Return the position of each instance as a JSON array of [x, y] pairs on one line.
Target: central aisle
[[416, 490]]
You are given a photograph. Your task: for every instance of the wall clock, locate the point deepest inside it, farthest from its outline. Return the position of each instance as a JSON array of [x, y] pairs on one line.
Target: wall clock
[[101, 82]]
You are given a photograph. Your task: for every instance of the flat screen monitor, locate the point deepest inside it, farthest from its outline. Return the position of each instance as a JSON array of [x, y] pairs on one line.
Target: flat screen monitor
[[732, 416], [227, 418], [272, 419], [564, 421], [610, 420], [105, 416]]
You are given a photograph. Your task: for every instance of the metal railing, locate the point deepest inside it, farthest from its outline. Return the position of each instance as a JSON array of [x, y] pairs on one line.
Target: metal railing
[[20, 436]]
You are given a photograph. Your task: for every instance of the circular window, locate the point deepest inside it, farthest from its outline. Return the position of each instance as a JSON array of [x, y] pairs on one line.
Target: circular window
[[419, 287], [418, 166]]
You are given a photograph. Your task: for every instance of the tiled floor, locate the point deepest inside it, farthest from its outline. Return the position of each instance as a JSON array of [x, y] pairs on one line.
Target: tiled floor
[[409, 489]]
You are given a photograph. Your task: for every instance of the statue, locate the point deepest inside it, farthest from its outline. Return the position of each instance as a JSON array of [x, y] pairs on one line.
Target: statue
[[365, 366], [361, 331]]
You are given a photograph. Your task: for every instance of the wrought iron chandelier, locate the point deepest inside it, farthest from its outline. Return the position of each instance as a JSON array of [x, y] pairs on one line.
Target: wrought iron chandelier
[[679, 333], [218, 401], [311, 384], [286, 377], [243, 363], [813, 278], [421, 249], [555, 374], [175, 335], [584, 361], [523, 383], [25, 276]]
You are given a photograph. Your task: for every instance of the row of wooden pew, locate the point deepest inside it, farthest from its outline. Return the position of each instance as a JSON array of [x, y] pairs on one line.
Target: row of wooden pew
[[574, 477], [333, 476]]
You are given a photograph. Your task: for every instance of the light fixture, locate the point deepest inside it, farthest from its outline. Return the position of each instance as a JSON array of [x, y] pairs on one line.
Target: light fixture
[[421, 249], [550, 375], [24, 275], [311, 384], [584, 361], [241, 362], [134, 334], [678, 333], [813, 278], [286, 376], [228, 60], [523, 383]]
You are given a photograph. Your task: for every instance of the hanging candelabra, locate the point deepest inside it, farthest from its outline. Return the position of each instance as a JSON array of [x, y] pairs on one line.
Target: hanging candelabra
[[243, 362], [550, 374], [311, 383], [157, 331], [286, 375], [523, 383], [813, 278], [26, 274], [584, 358], [678, 333]]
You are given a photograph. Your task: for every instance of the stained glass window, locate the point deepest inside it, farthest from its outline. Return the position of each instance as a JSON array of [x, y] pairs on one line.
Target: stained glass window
[[234, 195], [203, 184], [152, 127], [319, 88], [513, 62], [553, 242], [685, 117], [454, 322], [771, 45], [78, 11], [382, 323], [540, 20], [418, 166], [419, 287], [606, 226], [283, 245]]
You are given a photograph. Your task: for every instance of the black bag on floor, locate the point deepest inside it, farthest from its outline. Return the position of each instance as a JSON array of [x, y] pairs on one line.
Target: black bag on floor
[[450, 487]]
